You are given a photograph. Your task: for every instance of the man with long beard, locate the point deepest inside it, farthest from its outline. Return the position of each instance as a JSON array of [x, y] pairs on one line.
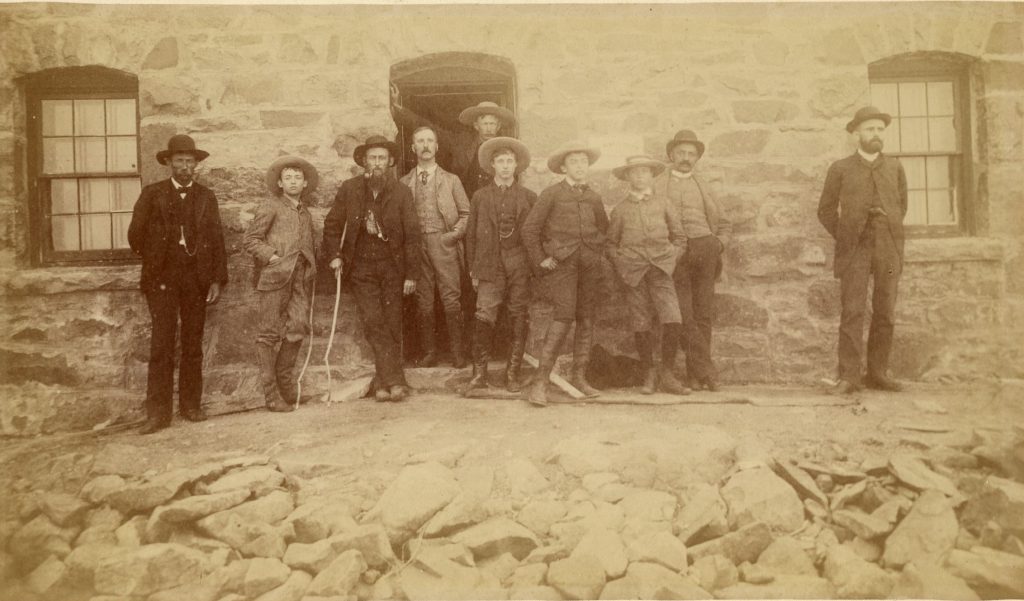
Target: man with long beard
[[862, 206], [372, 237]]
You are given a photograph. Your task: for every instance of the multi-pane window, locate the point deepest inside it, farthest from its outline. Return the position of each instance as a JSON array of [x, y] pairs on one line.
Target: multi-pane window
[[929, 135], [85, 162]]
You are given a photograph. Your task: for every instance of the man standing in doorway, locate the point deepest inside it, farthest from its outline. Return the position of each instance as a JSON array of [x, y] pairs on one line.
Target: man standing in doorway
[[442, 208], [372, 237], [862, 206], [707, 231], [176, 229]]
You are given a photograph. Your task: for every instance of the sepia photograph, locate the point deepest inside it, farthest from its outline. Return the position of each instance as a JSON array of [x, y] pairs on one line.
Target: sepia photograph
[[342, 301]]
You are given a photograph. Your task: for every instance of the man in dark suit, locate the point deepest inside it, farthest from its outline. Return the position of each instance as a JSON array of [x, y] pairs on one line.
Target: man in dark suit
[[372, 237], [862, 206], [176, 229]]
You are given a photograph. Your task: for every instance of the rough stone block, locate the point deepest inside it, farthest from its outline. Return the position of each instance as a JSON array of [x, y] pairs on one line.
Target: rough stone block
[[164, 55]]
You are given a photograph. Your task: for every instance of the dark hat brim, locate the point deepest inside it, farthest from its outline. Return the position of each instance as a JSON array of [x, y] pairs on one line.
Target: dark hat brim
[[164, 155], [308, 171], [359, 154], [471, 114], [556, 160], [673, 143], [622, 172], [885, 118], [488, 148]]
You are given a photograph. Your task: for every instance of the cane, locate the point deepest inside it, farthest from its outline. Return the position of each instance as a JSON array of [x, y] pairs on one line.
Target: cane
[[334, 325], [309, 351], [330, 338]]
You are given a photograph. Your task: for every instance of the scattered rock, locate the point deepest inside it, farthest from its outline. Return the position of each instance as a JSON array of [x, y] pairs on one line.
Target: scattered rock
[[926, 534], [754, 573], [534, 593], [497, 536], [745, 544], [190, 509], [260, 480], [540, 515], [62, 508], [654, 581], [340, 576], [913, 472], [660, 547], [98, 489], [801, 481], [1000, 500], [855, 578], [132, 533], [138, 497], [863, 525], [714, 572], [312, 557], [501, 567], [293, 589], [317, 521], [786, 556], [250, 538], [48, 577], [264, 574], [196, 591], [524, 479], [758, 495], [148, 569], [608, 548], [783, 587], [866, 550], [528, 575], [992, 574], [577, 577], [923, 580], [370, 540], [269, 509], [82, 562], [37, 540], [414, 497], [847, 494], [649, 505], [703, 516], [444, 579]]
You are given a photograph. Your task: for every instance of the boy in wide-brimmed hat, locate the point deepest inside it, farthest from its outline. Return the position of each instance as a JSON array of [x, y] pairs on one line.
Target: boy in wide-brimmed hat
[[646, 239], [280, 240], [498, 262], [565, 239]]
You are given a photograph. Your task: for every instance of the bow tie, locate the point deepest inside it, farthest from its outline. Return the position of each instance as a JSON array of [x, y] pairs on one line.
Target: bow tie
[[580, 188]]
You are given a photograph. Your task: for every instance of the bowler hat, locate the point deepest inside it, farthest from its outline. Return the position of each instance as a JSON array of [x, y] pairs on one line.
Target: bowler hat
[[865, 113], [308, 171], [684, 136], [469, 116], [558, 157], [639, 160], [180, 143], [486, 152], [359, 155]]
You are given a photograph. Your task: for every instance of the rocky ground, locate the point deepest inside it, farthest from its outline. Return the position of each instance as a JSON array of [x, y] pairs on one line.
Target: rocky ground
[[747, 493]]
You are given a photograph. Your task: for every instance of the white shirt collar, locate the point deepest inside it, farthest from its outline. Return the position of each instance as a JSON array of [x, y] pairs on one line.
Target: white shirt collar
[[178, 186], [868, 157], [681, 174], [573, 182], [638, 194], [428, 170]]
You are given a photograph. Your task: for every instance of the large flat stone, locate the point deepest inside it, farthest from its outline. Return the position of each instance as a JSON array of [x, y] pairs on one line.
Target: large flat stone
[[758, 495], [579, 577], [991, 573], [927, 533], [419, 492], [148, 569], [745, 544], [496, 536]]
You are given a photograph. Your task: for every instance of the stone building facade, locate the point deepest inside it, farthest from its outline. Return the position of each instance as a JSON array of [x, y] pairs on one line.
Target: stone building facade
[[768, 86]]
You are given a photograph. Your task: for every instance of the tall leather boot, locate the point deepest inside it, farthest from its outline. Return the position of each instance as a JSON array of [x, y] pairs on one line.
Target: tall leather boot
[[482, 332], [581, 357], [668, 382], [428, 339], [520, 327], [538, 391], [645, 349], [268, 378], [455, 338], [285, 369]]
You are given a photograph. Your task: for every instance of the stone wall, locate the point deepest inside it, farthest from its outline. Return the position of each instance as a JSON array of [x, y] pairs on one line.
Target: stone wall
[[768, 86]]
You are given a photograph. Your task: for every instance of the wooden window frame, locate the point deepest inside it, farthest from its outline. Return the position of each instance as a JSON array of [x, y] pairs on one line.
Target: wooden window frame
[[71, 83]]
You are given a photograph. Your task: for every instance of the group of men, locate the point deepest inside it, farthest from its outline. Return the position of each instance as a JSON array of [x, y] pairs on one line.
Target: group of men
[[391, 238]]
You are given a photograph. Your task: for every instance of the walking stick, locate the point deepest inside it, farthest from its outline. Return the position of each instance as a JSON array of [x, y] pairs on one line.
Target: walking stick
[[330, 338], [309, 351]]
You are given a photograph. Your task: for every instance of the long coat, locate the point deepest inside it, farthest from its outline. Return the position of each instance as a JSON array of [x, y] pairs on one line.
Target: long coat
[[483, 238], [847, 196], [398, 221], [151, 229], [279, 229]]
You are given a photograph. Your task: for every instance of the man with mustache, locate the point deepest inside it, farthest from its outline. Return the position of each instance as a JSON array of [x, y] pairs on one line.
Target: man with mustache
[[372, 237], [707, 230], [862, 206], [443, 209]]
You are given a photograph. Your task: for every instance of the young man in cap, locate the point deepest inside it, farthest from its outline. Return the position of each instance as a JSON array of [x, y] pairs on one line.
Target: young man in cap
[[176, 229], [280, 240], [443, 209], [707, 231], [646, 239], [372, 237], [498, 262], [862, 206], [564, 236]]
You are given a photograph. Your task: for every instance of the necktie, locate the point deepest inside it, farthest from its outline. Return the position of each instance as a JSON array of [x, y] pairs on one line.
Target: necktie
[[580, 188], [423, 177]]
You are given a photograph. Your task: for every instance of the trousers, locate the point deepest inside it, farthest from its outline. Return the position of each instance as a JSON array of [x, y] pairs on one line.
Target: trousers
[[440, 268], [694, 277], [184, 299], [287, 306], [377, 286], [511, 282]]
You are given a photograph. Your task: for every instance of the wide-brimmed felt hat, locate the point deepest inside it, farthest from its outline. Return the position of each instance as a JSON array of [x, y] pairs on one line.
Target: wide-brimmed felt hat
[[639, 160], [359, 154], [865, 113], [684, 136], [486, 152], [180, 143], [308, 171], [556, 159], [470, 115]]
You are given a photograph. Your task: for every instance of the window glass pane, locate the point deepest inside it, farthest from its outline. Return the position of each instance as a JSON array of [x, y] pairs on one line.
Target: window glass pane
[[912, 99], [940, 207], [95, 195], [883, 96], [940, 98], [941, 134], [914, 135], [90, 155], [892, 136], [96, 232], [57, 118], [58, 155], [121, 221], [917, 211], [120, 117], [89, 119], [124, 193], [914, 168], [63, 196], [938, 172], [65, 232], [121, 154]]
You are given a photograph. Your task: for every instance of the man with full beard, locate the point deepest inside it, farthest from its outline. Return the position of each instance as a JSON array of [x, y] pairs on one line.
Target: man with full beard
[[862, 206], [372, 237]]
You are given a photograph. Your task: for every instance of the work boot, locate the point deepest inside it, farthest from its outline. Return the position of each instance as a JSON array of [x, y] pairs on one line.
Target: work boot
[[538, 391], [284, 368], [581, 357], [645, 350], [268, 378], [481, 347], [455, 339], [428, 339], [668, 382], [520, 327], [882, 383], [152, 425]]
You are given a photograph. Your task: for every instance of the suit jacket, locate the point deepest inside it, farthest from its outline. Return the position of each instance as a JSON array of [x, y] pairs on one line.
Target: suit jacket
[[483, 237], [456, 149], [562, 221], [278, 229], [849, 189], [151, 228], [643, 235], [452, 202], [719, 224], [397, 220]]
